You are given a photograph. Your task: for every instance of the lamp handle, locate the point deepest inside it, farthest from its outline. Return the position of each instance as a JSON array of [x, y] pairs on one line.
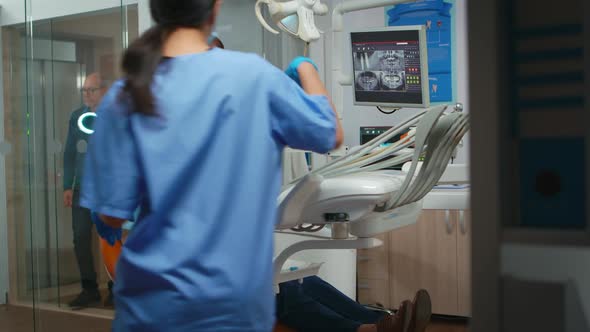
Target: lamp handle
[[260, 17]]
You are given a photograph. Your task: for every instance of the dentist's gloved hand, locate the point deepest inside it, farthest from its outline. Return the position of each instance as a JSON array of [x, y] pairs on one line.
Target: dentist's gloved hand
[[129, 224], [109, 234], [292, 71]]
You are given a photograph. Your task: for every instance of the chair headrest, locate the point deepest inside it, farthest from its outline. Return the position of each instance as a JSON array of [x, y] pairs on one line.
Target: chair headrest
[[292, 201]]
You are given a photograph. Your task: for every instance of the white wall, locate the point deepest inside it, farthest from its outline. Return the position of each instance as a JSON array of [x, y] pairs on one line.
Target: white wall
[[144, 16], [554, 264], [238, 28], [462, 69]]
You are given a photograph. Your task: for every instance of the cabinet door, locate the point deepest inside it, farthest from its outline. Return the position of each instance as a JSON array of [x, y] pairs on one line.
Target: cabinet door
[[374, 263], [464, 262], [373, 274], [424, 255], [374, 291]]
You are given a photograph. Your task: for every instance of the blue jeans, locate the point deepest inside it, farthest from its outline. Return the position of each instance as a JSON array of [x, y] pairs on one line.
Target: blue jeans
[[316, 305], [82, 228]]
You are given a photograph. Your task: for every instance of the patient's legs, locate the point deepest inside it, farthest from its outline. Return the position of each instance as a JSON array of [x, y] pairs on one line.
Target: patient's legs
[[316, 305], [332, 298], [303, 313]]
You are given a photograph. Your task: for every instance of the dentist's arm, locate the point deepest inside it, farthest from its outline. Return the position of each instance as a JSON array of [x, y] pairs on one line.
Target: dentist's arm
[[312, 85]]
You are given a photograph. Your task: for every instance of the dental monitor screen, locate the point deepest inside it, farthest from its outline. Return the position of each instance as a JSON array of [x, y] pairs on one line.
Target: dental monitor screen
[[391, 67]]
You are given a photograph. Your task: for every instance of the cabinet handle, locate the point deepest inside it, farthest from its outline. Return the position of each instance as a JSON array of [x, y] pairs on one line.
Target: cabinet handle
[[448, 222], [462, 222], [364, 285]]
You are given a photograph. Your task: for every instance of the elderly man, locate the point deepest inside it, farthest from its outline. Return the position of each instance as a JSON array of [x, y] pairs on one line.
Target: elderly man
[[79, 131]]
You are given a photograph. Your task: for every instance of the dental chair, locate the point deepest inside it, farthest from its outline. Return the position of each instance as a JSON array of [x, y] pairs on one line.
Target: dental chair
[[358, 197]]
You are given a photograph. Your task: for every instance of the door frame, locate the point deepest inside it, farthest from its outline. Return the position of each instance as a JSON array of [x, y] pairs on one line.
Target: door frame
[[485, 97], [4, 266]]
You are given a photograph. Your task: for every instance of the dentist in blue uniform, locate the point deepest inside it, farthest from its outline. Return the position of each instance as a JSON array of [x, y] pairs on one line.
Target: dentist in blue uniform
[[193, 135]]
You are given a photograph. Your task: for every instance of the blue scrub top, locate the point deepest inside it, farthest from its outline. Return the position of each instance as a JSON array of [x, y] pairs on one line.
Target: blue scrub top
[[206, 174]]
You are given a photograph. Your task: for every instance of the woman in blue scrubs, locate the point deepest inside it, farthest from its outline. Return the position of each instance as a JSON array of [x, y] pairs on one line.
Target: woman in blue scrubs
[[194, 136]]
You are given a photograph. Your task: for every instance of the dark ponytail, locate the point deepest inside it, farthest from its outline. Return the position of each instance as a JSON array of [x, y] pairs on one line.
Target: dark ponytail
[[142, 58], [140, 62]]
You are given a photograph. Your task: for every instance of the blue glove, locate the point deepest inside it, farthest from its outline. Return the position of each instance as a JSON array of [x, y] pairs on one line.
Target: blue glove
[[129, 224], [292, 69], [111, 235]]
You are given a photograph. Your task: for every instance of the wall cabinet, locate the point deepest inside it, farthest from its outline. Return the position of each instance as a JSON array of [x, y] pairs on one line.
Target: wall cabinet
[[433, 254]]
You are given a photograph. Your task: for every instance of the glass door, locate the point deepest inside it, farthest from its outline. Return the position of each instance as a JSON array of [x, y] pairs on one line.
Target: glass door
[[56, 65]]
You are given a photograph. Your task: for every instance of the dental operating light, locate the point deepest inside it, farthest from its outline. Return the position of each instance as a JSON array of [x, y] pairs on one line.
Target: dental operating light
[[296, 17]]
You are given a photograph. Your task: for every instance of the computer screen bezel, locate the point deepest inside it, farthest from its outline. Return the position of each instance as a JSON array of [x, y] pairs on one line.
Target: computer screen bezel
[[423, 67]]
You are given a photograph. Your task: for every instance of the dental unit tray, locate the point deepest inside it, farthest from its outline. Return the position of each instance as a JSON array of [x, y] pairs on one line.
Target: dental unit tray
[[356, 190], [297, 270]]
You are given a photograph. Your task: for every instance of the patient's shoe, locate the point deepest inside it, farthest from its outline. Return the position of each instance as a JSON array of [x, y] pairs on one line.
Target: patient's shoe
[[421, 312], [400, 322]]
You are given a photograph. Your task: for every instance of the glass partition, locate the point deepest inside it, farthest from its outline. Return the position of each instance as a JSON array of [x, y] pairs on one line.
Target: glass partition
[[55, 70]]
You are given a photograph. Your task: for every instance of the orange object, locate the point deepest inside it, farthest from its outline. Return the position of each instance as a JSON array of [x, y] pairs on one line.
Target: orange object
[[282, 328], [110, 256]]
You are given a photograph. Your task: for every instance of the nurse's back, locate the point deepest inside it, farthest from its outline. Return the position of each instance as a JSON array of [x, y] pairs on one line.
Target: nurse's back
[[196, 142], [211, 166]]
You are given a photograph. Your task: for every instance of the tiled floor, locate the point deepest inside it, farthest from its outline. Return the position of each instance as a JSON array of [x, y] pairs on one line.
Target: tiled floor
[[18, 319]]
